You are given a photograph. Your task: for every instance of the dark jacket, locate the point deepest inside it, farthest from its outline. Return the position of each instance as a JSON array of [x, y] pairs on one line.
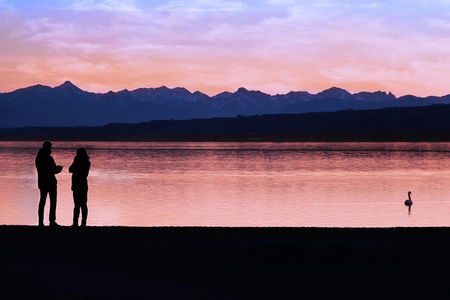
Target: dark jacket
[[46, 168], [80, 171]]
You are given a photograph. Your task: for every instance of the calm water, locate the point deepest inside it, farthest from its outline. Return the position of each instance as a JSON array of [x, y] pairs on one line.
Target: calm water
[[238, 184]]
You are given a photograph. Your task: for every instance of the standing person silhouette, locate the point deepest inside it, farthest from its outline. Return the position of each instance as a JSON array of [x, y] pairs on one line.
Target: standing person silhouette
[[80, 171], [47, 184]]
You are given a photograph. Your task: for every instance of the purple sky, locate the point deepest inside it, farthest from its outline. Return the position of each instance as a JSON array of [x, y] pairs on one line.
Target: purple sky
[[275, 46]]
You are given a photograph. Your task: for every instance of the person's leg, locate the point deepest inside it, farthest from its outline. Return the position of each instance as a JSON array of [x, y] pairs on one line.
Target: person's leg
[[42, 200], [53, 195], [76, 208], [84, 209]]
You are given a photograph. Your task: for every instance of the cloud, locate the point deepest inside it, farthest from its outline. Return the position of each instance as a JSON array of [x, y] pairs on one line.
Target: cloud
[[280, 2], [224, 44], [6, 5], [123, 6], [203, 5]]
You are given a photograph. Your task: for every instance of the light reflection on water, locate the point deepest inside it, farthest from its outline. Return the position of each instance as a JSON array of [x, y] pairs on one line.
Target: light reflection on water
[[238, 184]]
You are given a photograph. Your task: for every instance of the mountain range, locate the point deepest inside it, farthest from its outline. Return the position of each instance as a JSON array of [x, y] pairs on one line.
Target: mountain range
[[68, 105]]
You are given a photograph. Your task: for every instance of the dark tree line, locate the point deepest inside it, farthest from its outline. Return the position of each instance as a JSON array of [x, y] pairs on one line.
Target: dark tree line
[[429, 123]]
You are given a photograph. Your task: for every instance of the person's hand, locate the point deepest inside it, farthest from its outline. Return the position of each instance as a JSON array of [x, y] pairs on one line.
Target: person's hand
[[58, 169]]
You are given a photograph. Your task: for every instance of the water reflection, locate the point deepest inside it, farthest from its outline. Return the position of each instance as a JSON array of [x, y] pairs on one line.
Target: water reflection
[[238, 184]]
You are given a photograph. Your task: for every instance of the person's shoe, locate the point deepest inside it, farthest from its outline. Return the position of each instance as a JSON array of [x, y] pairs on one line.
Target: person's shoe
[[74, 225], [41, 225], [54, 224]]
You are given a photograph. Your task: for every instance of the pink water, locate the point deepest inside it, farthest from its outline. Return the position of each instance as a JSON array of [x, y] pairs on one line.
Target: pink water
[[238, 184]]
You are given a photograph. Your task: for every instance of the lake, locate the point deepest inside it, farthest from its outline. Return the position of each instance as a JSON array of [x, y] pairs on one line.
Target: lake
[[238, 184]]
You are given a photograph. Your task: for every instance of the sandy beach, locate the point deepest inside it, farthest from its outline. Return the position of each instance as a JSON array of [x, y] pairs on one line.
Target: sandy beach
[[224, 263]]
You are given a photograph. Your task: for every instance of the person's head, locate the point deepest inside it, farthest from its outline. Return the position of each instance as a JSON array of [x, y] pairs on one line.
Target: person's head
[[47, 145], [82, 152]]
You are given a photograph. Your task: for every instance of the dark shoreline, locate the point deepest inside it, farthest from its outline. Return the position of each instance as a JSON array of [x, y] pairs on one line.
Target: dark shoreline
[[394, 124], [224, 263]]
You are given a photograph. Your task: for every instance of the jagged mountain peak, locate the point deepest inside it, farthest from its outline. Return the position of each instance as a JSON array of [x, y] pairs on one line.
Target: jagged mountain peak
[[223, 94], [335, 92], [243, 90], [33, 89], [378, 96], [67, 84], [68, 87]]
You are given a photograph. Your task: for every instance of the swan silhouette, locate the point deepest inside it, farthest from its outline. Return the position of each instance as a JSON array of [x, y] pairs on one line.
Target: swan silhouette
[[409, 202]]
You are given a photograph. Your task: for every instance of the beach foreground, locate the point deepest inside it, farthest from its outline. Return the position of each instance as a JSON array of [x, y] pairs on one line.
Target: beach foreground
[[224, 263]]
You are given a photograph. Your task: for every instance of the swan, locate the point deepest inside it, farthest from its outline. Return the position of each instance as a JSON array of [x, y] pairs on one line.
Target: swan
[[409, 202]]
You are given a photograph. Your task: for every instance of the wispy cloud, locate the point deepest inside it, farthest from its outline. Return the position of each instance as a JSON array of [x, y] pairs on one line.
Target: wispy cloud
[[6, 5], [124, 6], [273, 45], [202, 5]]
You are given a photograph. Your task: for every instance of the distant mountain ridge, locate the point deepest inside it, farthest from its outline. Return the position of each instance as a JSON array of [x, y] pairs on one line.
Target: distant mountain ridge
[[68, 105]]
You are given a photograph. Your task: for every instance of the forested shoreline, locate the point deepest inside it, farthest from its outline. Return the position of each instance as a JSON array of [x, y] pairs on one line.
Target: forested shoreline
[[429, 123]]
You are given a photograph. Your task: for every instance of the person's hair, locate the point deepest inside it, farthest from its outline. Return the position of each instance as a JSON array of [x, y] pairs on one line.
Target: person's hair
[[47, 145], [82, 152]]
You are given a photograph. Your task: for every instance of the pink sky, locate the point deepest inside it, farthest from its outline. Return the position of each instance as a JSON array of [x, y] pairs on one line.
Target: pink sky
[[275, 46]]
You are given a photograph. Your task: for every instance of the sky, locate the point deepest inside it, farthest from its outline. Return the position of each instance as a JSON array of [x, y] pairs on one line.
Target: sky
[[274, 46]]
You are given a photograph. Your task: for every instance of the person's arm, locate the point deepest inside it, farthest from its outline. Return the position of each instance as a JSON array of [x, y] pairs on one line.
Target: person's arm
[[56, 169]]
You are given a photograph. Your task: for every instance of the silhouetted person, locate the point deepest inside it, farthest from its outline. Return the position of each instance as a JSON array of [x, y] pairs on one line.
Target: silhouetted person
[[80, 171], [46, 169]]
